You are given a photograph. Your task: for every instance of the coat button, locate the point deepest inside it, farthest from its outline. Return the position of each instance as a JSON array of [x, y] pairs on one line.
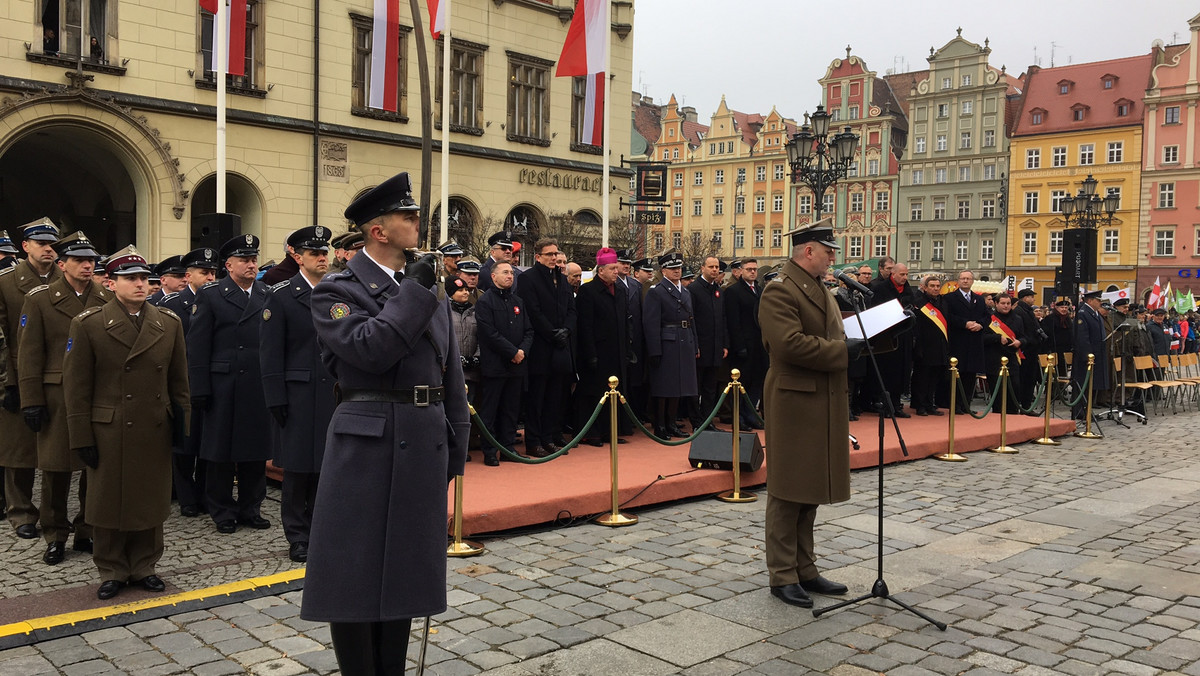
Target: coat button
[[403, 445], [129, 424], [241, 370], [157, 368], [128, 369], [128, 397]]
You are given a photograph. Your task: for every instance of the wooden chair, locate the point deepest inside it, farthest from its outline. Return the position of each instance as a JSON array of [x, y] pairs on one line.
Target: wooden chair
[[1169, 385]]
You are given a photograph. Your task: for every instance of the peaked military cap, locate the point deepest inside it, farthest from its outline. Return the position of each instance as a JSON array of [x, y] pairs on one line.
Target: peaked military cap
[[451, 249], [625, 256], [670, 260], [313, 238], [722, 265], [469, 266], [643, 264], [1092, 294], [127, 261], [6, 243], [76, 245], [820, 232], [394, 194], [770, 275], [688, 273], [203, 257], [241, 246], [1158, 312], [735, 264], [503, 239], [354, 240], [41, 230], [171, 265], [1120, 301]]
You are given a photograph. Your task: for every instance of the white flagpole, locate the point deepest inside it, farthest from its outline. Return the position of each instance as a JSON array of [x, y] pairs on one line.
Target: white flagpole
[[221, 57], [604, 192], [447, 53]]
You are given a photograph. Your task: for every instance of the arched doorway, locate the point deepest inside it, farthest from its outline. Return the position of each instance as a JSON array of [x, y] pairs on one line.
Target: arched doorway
[[241, 198], [460, 225], [77, 177], [527, 224]]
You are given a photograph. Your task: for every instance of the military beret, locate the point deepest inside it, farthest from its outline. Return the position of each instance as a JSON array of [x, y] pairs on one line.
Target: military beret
[[313, 238], [394, 194], [453, 284], [240, 246]]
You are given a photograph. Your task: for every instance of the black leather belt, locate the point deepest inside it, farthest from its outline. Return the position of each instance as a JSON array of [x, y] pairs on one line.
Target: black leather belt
[[683, 324], [421, 395]]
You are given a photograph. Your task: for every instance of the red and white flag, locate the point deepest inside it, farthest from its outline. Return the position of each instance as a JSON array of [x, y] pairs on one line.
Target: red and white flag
[[437, 17], [592, 133], [586, 46], [1155, 295], [385, 51], [235, 33]]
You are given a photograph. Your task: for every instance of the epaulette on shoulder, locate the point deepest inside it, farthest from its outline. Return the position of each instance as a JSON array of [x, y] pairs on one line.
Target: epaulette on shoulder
[[208, 284], [340, 274], [168, 311], [780, 278], [7, 270], [38, 289], [280, 285], [167, 297], [89, 312]]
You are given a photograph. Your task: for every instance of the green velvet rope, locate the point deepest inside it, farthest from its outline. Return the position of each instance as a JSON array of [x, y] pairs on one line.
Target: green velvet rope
[[487, 436], [987, 407], [695, 433], [1082, 390], [1037, 394]]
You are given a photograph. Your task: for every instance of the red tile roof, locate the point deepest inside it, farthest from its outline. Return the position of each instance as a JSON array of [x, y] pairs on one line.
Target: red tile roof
[[902, 84], [1086, 92], [647, 120], [694, 132], [748, 124]]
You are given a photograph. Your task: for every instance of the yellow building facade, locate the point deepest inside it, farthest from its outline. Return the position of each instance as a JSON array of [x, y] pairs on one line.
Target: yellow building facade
[[121, 143]]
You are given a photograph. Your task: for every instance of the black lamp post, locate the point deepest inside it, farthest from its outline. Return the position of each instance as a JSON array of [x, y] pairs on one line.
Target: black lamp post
[[737, 195], [1087, 209], [818, 159]]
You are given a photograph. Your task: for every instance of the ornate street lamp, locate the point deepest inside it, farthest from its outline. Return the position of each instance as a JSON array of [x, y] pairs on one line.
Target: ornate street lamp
[[819, 160], [1087, 209], [737, 195]]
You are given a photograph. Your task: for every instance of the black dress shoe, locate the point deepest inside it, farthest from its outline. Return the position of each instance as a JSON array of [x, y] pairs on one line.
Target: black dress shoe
[[676, 431], [819, 585], [853, 418], [662, 433], [189, 511], [922, 412], [226, 527], [934, 411], [539, 452], [109, 589], [298, 552], [551, 447], [622, 441], [83, 545], [27, 531], [151, 583], [55, 551], [255, 522], [792, 594], [901, 413], [595, 442], [491, 460]]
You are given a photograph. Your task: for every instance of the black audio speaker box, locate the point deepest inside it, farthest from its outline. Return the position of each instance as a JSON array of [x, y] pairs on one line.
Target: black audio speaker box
[[1064, 285], [714, 450], [1079, 254], [213, 230]]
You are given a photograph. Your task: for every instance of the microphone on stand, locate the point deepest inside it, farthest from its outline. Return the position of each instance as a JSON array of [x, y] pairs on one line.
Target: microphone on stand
[[853, 284]]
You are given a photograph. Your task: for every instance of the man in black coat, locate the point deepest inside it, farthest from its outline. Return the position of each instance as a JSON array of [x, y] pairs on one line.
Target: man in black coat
[[708, 308], [1060, 335], [224, 371], [1089, 339], [1005, 337], [931, 350], [550, 301], [1035, 341], [634, 387], [187, 469], [968, 316], [501, 244], [505, 335], [297, 388], [896, 365], [603, 310], [671, 351], [746, 351]]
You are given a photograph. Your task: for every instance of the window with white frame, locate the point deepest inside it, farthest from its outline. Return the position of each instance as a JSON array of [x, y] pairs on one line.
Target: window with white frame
[[914, 250], [939, 210], [827, 203], [1170, 155], [1056, 200], [739, 238], [939, 249], [915, 210], [918, 176], [989, 138], [675, 154], [739, 205], [881, 246], [717, 237], [872, 167], [966, 80], [718, 206], [776, 237], [943, 110], [1033, 158], [760, 204], [964, 209], [920, 144], [697, 207], [679, 179], [1116, 152], [856, 201], [853, 112], [1112, 240], [760, 172], [855, 247], [988, 207], [945, 83], [1166, 195], [1087, 153], [1056, 241], [719, 176], [676, 239], [964, 140], [1058, 156], [677, 208], [759, 238], [1030, 244], [777, 203], [805, 204], [658, 241], [941, 142], [698, 178], [967, 107], [989, 172], [779, 171], [883, 200], [939, 175], [987, 249], [1164, 242], [741, 174], [1031, 202], [960, 250], [964, 173]]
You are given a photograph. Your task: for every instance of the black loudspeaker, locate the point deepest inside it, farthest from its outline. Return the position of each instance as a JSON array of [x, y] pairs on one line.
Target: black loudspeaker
[[213, 230], [1079, 255], [1064, 285], [714, 450]]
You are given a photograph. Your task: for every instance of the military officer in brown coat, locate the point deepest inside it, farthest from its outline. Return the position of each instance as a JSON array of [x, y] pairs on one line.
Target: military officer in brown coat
[[18, 452], [47, 314], [377, 557], [126, 382], [807, 412]]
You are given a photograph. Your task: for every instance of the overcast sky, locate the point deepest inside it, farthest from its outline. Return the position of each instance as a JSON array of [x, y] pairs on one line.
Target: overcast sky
[[764, 53]]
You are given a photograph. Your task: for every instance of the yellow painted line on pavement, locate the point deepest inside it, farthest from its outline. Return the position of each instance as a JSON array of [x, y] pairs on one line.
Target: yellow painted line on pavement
[[134, 607]]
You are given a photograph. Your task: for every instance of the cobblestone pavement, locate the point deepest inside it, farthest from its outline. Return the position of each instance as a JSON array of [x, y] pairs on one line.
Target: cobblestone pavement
[[1078, 559]]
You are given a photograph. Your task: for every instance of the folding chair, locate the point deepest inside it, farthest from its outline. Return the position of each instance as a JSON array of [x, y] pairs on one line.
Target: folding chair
[[1169, 385]]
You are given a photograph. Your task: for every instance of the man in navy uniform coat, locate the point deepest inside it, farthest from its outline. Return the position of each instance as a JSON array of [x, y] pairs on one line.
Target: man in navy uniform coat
[[968, 317], [224, 372], [377, 557], [187, 470], [1089, 339], [298, 389], [501, 244], [671, 346]]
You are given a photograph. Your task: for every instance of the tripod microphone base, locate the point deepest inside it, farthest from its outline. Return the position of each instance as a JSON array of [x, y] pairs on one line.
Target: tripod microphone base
[[1004, 449], [1047, 441], [950, 457], [879, 590], [736, 496]]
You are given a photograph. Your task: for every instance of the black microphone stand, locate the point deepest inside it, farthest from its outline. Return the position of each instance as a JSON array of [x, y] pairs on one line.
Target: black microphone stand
[[879, 590]]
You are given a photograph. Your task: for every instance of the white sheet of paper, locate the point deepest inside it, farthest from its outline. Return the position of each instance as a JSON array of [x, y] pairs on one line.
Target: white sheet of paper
[[875, 320]]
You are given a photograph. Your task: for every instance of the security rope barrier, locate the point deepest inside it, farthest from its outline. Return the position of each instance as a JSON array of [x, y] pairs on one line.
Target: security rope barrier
[[987, 407], [686, 440], [508, 453]]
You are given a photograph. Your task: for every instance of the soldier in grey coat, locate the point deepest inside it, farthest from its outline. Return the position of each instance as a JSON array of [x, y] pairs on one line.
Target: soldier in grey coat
[[671, 345], [377, 555]]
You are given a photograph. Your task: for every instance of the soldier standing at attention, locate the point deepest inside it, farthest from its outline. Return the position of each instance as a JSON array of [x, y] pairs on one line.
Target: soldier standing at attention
[[126, 383], [226, 384], [18, 452], [187, 470], [807, 412], [47, 316], [671, 346], [377, 557], [298, 389], [8, 252]]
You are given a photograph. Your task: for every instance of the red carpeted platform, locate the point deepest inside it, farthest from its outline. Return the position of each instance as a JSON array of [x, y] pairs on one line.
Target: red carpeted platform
[[515, 494]]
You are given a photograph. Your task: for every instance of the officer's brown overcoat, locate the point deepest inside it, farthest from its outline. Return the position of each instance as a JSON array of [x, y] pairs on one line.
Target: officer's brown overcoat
[[120, 385], [806, 394], [19, 448]]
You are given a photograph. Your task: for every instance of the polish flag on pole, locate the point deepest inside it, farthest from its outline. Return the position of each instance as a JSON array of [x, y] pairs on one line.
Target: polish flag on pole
[[586, 46], [593, 111], [437, 17], [235, 31], [1155, 295], [385, 52]]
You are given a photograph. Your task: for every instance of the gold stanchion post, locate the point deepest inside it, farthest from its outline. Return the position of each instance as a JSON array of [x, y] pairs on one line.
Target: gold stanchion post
[[1087, 432], [460, 547], [1003, 385], [614, 518], [950, 455], [736, 495], [1051, 373]]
